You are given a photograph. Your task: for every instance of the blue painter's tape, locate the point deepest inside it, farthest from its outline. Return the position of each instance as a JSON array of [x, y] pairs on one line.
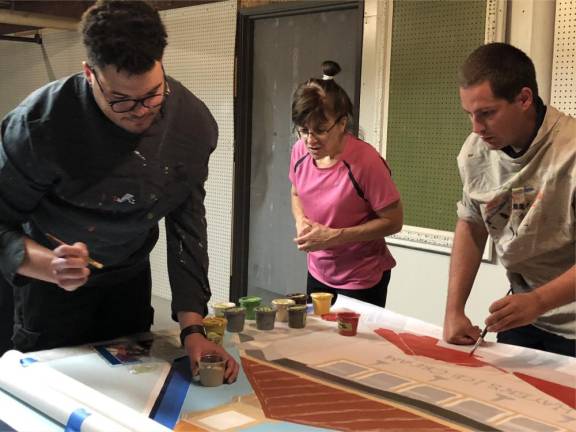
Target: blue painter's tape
[[169, 403], [75, 420], [27, 361]]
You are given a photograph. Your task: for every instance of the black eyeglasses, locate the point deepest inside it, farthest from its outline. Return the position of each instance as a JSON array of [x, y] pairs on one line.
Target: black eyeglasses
[[319, 134], [128, 104]]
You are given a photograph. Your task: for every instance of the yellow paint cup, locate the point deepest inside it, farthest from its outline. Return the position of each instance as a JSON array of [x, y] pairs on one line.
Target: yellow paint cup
[[322, 302], [215, 328]]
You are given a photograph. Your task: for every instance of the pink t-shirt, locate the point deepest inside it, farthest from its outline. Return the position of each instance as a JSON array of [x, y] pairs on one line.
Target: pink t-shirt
[[332, 197]]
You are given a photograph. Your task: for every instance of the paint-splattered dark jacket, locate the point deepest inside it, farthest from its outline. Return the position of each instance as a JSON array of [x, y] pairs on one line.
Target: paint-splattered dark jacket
[[67, 170]]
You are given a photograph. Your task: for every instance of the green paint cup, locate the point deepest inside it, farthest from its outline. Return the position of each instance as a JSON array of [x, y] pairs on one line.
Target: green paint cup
[[249, 303]]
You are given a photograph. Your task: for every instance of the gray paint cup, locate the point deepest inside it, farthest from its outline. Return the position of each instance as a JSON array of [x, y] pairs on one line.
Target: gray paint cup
[[297, 316], [236, 318], [265, 317], [211, 369]]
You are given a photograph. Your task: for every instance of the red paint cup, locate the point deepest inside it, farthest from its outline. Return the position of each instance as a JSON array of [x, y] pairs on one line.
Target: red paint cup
[[348, 323]]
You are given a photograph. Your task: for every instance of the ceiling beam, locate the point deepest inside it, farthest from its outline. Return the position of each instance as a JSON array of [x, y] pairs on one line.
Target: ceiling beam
[[38, 20]]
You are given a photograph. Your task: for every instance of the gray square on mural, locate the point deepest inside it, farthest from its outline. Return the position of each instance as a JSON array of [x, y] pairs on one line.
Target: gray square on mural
[[523, 424], [382, 381], [429, 394], [342, 368], [476, 410]]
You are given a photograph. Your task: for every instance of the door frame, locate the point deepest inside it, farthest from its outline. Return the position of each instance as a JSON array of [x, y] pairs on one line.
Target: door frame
[[243, 118]]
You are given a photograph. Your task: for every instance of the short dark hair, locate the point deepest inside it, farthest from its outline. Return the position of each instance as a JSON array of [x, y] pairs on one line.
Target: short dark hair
[[504, 66], [316, 97], [127, 34]]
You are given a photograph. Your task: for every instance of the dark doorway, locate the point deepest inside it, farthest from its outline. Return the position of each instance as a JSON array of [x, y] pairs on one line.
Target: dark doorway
[[278, 48]]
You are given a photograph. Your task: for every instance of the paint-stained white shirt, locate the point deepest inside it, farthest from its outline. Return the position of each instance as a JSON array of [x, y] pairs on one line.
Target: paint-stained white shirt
[[528, 206]]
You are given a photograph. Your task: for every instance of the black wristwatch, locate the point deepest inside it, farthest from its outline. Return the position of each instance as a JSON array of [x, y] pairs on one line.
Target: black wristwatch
[[194, 328]]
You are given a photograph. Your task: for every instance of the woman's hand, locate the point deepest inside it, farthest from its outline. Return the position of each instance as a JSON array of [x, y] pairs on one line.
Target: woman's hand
[[314, 236]]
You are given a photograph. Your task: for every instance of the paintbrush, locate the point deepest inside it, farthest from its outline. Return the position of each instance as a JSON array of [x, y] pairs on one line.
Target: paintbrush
[[483, 334], [479, 340], [91, 261]]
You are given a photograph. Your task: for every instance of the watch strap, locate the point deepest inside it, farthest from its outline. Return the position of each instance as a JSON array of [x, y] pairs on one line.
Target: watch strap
[[188, 330]]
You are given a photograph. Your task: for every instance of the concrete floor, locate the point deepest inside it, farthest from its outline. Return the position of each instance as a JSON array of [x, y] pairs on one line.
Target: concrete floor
[[162, 314]]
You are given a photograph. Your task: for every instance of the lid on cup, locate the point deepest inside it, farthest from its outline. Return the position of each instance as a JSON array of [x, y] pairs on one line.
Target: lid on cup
[[224, 305], [296, 295], [212, 321], [234, 311], [348, 315], [283, 302], [321, 295], [298, 308], [250, 299], [264, 309]]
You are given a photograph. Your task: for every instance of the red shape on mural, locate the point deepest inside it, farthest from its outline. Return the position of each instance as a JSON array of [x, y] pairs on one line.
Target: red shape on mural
[[426, 346], [560, 392]]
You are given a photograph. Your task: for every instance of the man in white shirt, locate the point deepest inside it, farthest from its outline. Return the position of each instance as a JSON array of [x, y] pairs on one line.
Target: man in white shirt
[[518, 169]]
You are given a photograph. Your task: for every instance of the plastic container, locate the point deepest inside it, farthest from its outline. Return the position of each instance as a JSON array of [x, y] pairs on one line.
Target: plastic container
[[265, 317], [322, 302], [299, 298], [348, 323], [281, 305], [211, 369], [249, 303], [297, 316], [236, 318], [219, 308], [215, 328]]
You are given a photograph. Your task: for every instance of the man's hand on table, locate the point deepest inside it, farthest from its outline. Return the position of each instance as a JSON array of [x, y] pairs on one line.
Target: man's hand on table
[[196, 345], [459, 330]]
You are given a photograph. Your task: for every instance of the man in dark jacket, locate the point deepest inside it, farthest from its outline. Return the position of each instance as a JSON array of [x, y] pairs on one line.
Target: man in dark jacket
[[96, 160]]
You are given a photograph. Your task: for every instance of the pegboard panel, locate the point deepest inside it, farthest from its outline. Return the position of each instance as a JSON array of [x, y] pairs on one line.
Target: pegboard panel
[[27, 66], [563, 94], [426, 126], [200, 54]]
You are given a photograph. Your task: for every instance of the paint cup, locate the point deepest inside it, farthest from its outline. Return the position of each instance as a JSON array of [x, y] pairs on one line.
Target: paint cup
[[297, 316], [348, 323], [299, 298], [219, 308], [249, 303], [211, 369], [281, 305], [215, 327], [265, 317], [322, 302], [236, 317]]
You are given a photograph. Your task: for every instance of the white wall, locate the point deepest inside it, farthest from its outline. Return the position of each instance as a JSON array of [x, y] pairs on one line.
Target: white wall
[[419, 283]]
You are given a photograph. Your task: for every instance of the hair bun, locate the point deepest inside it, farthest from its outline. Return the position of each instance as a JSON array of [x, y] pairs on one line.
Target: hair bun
[[330, 69]]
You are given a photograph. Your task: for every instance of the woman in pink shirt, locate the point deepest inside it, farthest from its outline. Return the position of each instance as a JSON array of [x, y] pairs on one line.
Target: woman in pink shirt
[[344, 201]]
